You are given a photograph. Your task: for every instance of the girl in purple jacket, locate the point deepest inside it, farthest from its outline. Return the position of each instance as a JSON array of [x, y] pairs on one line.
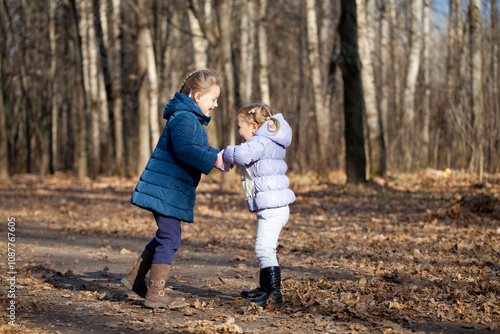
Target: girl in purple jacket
[[261, 160]]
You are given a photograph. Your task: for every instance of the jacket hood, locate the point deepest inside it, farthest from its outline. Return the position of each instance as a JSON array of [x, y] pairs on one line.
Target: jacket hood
[[283, 137], [185, 103]]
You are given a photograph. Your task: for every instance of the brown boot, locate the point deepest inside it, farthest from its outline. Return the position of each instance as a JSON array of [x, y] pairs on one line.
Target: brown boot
[[134, 281], [156, 296]]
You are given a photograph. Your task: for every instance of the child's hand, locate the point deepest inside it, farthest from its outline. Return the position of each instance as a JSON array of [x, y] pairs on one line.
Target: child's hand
[[219, 164]]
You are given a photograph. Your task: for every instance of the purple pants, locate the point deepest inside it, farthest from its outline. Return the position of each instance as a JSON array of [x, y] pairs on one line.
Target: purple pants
[[166, 241]]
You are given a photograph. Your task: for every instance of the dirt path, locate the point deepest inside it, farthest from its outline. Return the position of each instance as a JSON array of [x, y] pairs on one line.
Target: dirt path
[[361, 260]]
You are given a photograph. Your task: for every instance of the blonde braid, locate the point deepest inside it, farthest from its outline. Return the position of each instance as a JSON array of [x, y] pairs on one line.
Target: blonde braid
[[260, 113], [184, 82], [200, 81]]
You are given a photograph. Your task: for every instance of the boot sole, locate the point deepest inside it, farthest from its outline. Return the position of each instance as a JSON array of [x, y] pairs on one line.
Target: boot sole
[[149, 304], [251, 295], [129, 286], [270, 300]]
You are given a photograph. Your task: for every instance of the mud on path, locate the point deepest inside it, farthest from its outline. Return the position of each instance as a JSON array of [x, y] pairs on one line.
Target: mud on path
[[418, 254]]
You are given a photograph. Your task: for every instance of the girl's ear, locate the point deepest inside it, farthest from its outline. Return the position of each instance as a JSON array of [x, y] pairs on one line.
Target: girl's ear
[[254, 128], [197, 97]]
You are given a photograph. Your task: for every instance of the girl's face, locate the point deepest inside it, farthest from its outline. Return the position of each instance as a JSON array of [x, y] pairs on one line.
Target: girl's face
[[207, 101], [246, 129]]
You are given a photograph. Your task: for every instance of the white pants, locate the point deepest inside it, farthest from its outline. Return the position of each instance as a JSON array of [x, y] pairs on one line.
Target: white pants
[[269, 225]]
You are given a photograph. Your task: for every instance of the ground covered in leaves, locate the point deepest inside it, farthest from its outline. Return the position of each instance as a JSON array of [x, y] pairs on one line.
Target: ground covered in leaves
[[416, 253]]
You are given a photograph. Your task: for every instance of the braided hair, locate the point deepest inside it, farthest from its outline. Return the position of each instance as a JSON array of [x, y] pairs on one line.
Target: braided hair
[[200, 81], [260, 113]]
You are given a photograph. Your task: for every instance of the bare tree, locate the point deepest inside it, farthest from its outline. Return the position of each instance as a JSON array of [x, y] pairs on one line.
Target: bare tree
[[204, 30], [116, 84], [227, 69], [411, 81], [263, 61], [152, 88], [105, 105], [494, 154], [450, 59], [172, 73], [456, 91], [200, 43], [328, 42], [461, 60], [80, 99], [4, 152], [353, 95], [4, 147], [385, 61], [476, 88], [322, 115], [248, 24], [427, 93], [92, 85], [53, 87], [375, 147], [144, 151], [396, 86], [226, 65]]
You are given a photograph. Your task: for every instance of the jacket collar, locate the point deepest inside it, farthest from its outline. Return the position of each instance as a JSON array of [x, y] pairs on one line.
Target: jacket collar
[[181, 102]]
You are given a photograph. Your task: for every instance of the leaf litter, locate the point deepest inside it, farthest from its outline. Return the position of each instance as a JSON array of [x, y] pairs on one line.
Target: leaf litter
[[417, 253]]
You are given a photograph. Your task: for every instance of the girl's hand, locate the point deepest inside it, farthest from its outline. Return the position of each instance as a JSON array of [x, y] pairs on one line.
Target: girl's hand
[[220, 165]]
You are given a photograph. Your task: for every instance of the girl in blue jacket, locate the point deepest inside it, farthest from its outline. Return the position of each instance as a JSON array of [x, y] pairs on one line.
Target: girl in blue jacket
[[167, 186], [261, 160]]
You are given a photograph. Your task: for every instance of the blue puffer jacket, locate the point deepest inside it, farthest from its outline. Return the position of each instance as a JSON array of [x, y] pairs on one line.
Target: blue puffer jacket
[[264, 181], [168, 183]]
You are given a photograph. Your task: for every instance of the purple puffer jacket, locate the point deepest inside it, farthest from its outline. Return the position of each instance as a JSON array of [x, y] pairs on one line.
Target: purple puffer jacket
[[264, 180]]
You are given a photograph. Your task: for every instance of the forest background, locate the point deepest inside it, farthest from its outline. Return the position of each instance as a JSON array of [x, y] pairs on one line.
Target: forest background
[[416, 82]]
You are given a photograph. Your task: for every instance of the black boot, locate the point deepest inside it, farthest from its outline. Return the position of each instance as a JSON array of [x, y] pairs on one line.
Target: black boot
[[272, 285], [255, 292]]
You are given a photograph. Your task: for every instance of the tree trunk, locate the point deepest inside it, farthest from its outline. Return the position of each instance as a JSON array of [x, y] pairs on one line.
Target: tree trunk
[[203, 32], [322, 115], [265, 95], [476, 88], [116, 70], [171, 75], [200, 43], [427, 92], [326, 30], [152, 83], [328, 41], [353, 95], [376, 155], [4, 152], [81, 101], [228, 119], [91, 53], [395, 101], [461, 137], [105, 105], [411, 82], [495, 95], [24, 102], [142, 67], [4, 147], [385, 60], [247, 49], [303, 154], [54, 105], [450, 60], [460, 60], [451, 70]]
